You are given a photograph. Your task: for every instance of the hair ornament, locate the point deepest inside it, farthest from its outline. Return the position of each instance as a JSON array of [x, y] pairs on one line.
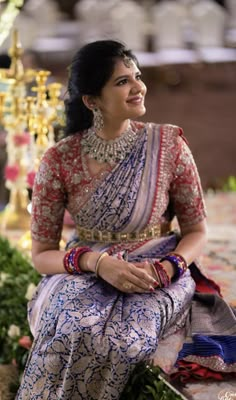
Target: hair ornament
[[127, 61]]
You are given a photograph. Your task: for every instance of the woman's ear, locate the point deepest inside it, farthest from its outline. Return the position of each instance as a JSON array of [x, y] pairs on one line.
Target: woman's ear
[[89, 101]]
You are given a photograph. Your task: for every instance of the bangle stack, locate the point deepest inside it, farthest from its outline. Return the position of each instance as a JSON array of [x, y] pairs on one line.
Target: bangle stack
[[98, 262], [163, 277], [71, 259], [178, 262]]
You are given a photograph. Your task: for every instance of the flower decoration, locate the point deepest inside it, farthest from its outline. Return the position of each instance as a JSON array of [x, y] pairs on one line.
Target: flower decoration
[[8, 16], [30, 291], [30, 178], [12, 172], [25, 342], [13, 331], [21, 139]]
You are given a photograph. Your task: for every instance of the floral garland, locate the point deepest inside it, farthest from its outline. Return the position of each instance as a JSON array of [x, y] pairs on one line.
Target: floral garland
[[8, 16], [20, 143]]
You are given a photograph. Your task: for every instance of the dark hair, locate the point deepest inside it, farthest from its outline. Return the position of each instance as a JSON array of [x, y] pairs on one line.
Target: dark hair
[[5, 61], [91, 68]]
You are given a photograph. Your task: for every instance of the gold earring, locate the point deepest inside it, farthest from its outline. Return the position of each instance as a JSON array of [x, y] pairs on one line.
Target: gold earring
[[98, 121]]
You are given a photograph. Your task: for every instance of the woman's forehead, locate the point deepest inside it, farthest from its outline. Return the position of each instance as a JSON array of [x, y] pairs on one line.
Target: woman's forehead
[[123, 68]]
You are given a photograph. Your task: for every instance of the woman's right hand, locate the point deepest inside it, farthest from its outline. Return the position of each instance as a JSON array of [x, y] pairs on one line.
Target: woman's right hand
[[127, 277]]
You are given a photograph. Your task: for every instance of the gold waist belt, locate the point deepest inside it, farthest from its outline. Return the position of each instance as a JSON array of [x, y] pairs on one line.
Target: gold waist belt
[[155, 231]]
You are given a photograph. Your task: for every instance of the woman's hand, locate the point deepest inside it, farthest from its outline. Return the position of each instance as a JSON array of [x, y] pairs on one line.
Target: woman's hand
[[127, 277]]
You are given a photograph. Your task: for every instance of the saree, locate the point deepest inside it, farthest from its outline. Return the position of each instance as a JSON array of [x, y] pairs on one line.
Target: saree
[[89, 336]]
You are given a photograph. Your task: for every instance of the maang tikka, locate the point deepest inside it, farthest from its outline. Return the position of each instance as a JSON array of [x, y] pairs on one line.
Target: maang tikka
[[127, 61], [98, 121]]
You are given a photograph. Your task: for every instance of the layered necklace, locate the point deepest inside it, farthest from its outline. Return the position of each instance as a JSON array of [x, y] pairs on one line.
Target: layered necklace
[[108, 151]]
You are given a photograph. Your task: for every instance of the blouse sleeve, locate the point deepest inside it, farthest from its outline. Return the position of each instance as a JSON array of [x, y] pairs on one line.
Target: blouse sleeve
[[185, 190], [48, 200]]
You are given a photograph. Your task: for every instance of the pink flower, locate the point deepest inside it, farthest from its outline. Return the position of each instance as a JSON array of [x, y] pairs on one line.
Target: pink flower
[[30, 178], [21, 139], [12, 172], [25, 342]]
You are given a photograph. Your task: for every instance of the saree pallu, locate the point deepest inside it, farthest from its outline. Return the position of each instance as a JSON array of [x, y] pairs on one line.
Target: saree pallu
[[88, 336]]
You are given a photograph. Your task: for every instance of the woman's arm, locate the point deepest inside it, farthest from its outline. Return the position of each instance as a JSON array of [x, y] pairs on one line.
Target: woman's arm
[[193, 240], [48, 259]]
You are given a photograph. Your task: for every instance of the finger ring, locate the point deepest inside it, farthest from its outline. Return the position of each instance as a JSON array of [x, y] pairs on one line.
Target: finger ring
[[127, 285]]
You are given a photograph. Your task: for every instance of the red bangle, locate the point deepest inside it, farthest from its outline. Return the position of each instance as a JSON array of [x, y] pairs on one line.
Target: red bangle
[[71, 259], [163, 277]]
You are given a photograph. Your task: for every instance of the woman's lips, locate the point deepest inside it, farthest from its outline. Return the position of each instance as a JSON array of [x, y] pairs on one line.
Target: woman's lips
[[135, 100]]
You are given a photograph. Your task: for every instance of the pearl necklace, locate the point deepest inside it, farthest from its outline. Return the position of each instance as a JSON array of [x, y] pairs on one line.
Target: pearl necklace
[[108, 151]]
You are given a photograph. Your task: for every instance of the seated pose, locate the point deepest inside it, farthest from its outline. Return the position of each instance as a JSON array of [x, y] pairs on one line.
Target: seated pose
[[126, 282]]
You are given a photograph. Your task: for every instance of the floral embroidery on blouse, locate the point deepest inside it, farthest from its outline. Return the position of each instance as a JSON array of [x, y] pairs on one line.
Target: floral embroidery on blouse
[[179, 192]]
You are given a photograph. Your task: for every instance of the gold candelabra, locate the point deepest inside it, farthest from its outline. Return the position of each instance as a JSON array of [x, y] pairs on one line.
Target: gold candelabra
[[29, 122]]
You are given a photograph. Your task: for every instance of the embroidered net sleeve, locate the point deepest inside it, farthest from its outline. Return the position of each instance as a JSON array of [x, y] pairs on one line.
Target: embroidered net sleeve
[[185, 190], [48, 200]]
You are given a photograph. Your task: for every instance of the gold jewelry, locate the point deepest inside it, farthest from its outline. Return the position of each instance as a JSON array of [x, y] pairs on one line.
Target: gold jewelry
[[149, 232], [155, 271], [127, 61], [98, 262], [127, 285], [108, 151], [98, 122]]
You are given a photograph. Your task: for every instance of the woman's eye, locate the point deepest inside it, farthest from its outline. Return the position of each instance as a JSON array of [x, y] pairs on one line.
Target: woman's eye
[[123, 82], [139, 77]]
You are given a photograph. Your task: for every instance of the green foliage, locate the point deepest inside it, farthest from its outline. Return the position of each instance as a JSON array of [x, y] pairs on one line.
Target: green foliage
[[230, 184], [145, 383], [16, 274]]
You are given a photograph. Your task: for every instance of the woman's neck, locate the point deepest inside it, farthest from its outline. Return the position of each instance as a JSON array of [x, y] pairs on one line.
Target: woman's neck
[[111, 131]]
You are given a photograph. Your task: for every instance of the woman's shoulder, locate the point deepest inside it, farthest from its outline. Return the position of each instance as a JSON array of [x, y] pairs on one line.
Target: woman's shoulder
[[67, 145], [168, 131], [165, 128]]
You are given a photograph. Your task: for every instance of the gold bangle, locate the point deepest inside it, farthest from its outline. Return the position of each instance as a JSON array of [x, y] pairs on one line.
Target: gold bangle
[[154, 270], [98, 262]]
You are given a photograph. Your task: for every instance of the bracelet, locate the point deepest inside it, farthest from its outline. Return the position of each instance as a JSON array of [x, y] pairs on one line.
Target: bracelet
[[163, 277], [178, 262], [71, 259], [98, 262], [154, 269]]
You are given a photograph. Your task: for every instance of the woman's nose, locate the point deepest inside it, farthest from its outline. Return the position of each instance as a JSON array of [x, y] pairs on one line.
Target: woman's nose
[[137, 86]]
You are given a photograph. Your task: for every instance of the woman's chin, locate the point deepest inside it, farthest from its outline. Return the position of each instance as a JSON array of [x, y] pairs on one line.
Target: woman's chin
[[139, 112]]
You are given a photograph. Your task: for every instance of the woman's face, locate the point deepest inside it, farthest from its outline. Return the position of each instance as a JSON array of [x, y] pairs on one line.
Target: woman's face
[[123, 95]]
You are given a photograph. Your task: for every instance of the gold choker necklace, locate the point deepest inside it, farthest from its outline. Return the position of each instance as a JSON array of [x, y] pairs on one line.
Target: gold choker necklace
[[108, 151]]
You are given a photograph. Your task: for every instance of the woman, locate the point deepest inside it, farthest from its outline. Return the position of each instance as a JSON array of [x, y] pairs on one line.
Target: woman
[[107, 301]]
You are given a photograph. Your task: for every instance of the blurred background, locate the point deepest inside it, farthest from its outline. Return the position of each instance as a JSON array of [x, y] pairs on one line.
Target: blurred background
[[187, 54]]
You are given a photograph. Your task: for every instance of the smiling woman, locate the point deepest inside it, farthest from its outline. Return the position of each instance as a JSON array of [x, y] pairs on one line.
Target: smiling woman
[[126, 281]]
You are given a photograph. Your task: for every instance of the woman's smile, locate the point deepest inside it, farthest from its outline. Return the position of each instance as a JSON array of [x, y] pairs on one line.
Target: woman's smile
[[136, 100]]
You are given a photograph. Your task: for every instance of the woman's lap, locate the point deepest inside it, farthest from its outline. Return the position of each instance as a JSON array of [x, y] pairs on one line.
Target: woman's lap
[[90, 336]]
